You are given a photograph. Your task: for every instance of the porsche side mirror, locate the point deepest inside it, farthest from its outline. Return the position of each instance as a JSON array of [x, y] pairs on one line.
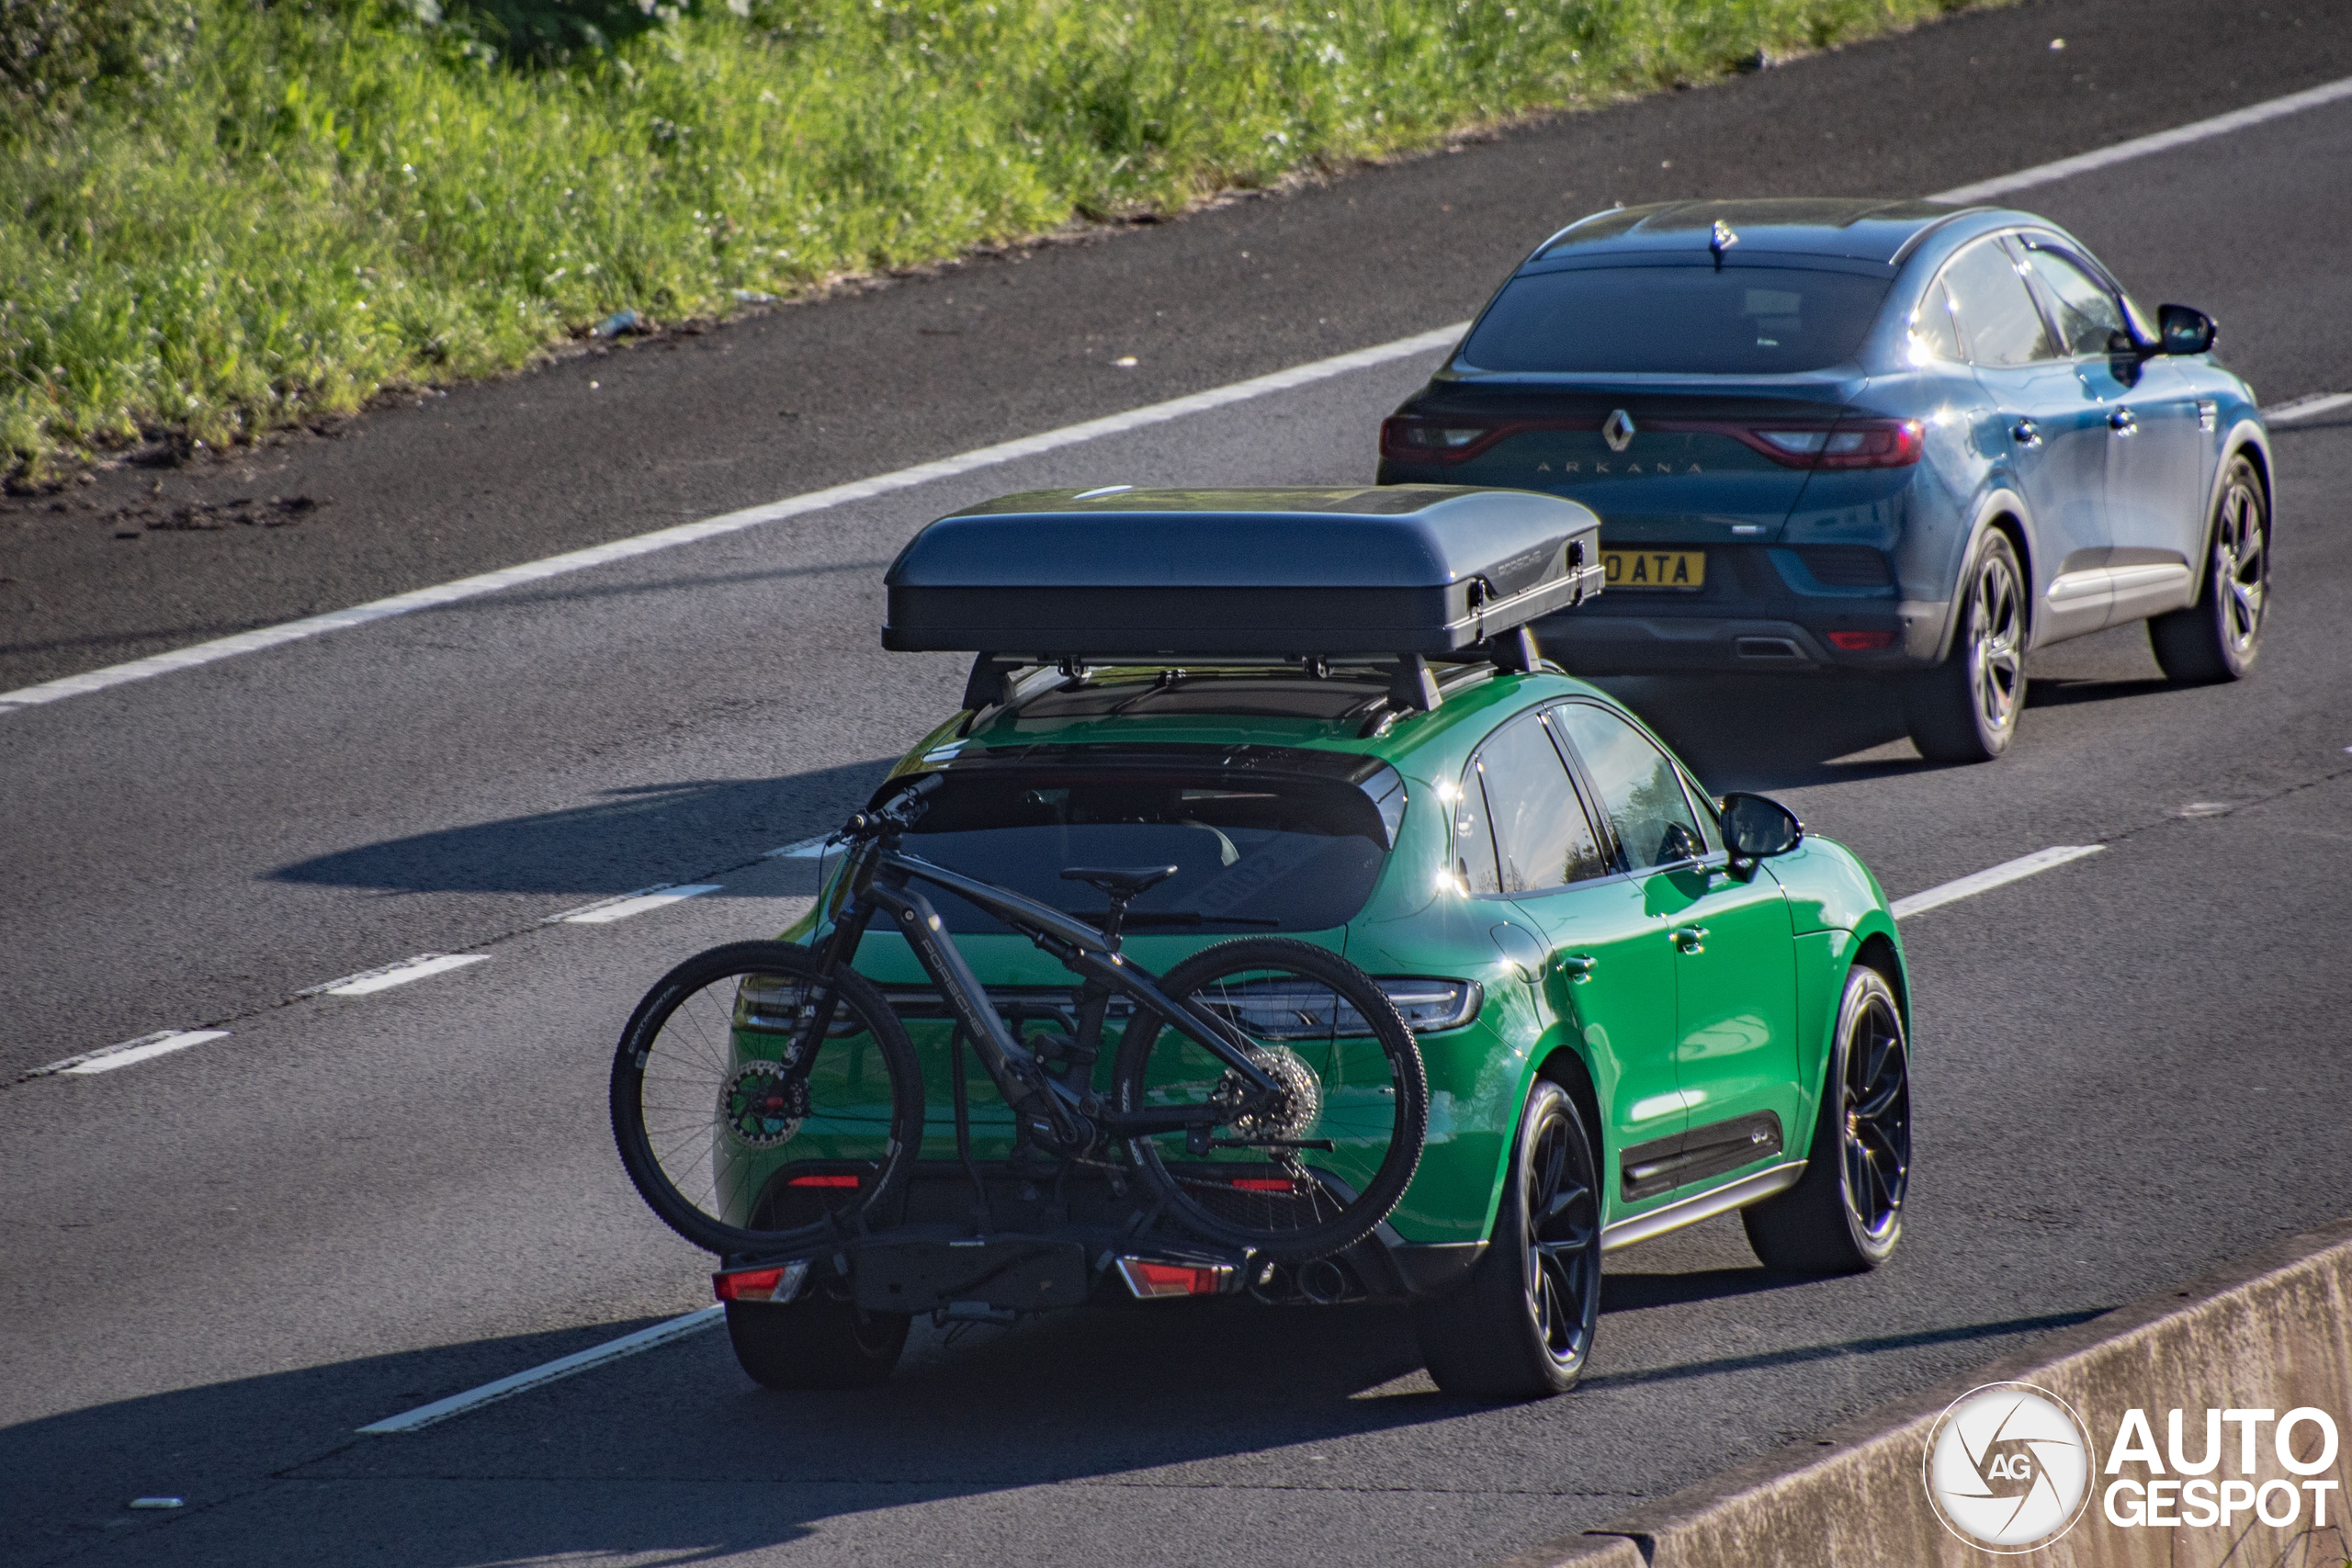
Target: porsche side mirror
[[1755, 826], [2186, 331]]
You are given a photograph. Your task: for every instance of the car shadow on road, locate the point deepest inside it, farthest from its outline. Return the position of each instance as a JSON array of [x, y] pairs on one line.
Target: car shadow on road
[[675, 1454], [629, 838]]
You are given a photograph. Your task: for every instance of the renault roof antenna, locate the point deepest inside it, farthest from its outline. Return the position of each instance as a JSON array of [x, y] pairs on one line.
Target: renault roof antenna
[[1718, 240]]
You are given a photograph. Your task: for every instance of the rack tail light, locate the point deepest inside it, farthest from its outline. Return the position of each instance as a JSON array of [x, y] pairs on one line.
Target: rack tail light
[[1149, 1280], [776, 1283]]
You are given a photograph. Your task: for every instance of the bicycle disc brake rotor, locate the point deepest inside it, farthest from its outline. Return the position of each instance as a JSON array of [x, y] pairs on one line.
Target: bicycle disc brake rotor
[[760, 1108], [1292, 1112]]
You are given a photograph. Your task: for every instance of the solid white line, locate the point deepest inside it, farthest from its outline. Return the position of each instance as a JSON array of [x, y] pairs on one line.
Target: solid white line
[[2308, 408], [145, 1048], [367, 982], [563, 1367], [1991, 877], [732, 522], [621, 909], [2140, 147]]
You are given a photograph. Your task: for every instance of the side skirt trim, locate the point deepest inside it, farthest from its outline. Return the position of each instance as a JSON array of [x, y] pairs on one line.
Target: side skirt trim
[[1705, 1206]]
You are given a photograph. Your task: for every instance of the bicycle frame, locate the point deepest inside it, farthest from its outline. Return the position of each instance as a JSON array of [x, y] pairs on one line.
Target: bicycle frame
[[1060, 1118]]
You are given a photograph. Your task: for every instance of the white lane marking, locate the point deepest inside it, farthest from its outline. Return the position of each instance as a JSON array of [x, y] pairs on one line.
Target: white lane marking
[[562, 1367], [806, 849], [2308, 408], [367, 982], [1991, 877], [2142, 146], [145, 1048], [732, 522], [658, 896]]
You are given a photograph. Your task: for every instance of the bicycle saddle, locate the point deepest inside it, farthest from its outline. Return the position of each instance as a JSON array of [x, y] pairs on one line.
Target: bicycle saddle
[[1120, 882]]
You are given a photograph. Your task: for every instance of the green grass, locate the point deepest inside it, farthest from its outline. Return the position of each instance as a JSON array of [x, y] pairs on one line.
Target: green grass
[[290, 206]]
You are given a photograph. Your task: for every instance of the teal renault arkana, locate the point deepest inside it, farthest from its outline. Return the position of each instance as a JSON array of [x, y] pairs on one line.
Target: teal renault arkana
[[1272, 920]]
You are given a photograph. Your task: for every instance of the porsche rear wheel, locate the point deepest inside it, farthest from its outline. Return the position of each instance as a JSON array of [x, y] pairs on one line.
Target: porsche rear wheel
[[1520, 1326], [822, 1342]]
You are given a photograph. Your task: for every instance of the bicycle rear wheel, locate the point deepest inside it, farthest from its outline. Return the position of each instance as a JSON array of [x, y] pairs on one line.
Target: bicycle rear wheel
[[731, 1147], [1352, 1078]]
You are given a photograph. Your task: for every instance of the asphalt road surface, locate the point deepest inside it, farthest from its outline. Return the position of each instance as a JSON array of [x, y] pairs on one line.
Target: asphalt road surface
[[216, 1264]]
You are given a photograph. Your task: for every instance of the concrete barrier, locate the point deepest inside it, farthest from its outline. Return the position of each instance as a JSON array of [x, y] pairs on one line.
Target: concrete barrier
[[2271, 1333]]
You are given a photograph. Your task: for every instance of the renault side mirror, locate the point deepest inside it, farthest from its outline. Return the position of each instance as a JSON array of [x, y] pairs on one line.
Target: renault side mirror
[[2185, 331], [1757, 827]]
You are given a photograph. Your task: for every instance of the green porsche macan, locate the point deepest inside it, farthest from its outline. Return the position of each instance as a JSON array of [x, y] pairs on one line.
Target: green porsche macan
[[1635, 1005]]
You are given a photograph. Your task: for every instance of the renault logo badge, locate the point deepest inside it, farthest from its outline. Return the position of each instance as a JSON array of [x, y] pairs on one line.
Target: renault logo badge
[[1619, 431]]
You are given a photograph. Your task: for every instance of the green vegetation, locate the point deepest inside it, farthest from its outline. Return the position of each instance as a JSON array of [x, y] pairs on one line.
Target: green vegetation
[[226, 215]]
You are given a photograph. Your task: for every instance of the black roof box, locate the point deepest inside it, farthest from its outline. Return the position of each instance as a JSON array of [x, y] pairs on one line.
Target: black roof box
[[1148, 573]]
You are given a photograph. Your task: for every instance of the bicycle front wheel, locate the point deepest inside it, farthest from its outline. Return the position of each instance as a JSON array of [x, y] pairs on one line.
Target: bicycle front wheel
[[728, 1138], [1318, 1170]]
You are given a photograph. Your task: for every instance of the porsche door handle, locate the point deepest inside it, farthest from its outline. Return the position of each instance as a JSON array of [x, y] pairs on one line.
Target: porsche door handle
[[2123, 422], [1576, 966], [2025, 432], [1689, 939]]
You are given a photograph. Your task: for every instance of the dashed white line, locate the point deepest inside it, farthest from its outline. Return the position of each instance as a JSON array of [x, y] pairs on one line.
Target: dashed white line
[[806, 849], [2308, 408], [562, 1367], [606, 911], [2141, 146], [147, 1047], [367, 982], [1989, 878]]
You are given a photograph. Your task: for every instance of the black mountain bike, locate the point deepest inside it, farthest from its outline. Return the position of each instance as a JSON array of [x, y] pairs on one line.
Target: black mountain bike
[[1265, 1093]]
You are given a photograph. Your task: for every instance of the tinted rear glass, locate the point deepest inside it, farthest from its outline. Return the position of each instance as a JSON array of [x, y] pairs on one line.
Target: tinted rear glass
[[1254, 854], [1676, 319]]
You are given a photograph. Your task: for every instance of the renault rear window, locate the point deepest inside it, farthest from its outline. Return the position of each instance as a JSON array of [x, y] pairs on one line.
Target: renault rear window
[[1676, 319], [1253, 853]]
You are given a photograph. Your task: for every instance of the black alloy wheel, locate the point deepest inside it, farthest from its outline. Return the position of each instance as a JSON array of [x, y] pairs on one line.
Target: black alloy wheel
[[1965, 709], [2218, 637], [1846, 1215], [1521, 1325]]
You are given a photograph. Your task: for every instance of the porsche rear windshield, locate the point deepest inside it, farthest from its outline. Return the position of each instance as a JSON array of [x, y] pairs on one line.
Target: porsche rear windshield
[[1253, 853], [1676, 319]]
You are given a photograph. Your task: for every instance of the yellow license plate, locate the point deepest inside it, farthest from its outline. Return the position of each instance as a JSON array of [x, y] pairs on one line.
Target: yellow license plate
[[1654, 569]]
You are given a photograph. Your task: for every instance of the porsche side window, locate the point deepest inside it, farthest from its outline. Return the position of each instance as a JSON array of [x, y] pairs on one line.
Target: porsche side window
[[1640, 789], [1999, 323], [1541, 831], [1933, 335], [1473, 845], [2088, 314]]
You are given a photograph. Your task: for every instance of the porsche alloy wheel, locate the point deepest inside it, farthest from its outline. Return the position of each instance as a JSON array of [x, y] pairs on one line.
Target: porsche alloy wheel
[[1521, 1325]]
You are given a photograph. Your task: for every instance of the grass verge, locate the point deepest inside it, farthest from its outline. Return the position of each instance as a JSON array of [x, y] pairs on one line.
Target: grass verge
[[281, 209]]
